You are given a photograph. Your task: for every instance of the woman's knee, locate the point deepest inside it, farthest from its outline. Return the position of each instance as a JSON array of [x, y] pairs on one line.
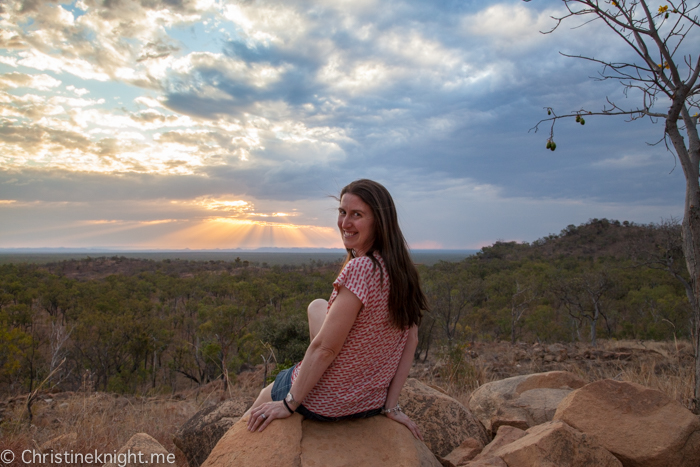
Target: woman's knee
[[318, 305], [317, 314]]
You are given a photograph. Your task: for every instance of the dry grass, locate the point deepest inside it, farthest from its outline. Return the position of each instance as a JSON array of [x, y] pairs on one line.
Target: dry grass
[[105, 422], [665, 366], [102, 422]]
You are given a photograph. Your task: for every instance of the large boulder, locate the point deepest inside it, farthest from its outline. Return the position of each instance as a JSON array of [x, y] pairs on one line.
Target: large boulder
[[295, 442], [198, 436], [551, 444], [641, 426], [522, 401], [142, 449], [444, 422]]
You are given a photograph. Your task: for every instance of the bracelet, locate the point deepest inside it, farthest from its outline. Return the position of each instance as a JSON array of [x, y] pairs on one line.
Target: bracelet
[[287, 405], [395, 409]]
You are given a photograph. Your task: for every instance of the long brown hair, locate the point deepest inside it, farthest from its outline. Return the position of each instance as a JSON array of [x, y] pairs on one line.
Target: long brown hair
[[406, 299]]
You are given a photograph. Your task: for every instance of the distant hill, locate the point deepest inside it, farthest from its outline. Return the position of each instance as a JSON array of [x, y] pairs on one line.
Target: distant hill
[[262, 256], [591, 240]]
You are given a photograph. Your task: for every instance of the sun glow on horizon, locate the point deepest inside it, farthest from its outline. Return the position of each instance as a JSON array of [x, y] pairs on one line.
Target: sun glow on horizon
[[226, 232]]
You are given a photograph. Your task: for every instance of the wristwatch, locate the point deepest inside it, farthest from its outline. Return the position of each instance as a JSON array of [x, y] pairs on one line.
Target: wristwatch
[[290, 399]]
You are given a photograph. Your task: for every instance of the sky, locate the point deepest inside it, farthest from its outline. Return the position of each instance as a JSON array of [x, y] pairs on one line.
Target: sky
[[203, 124]]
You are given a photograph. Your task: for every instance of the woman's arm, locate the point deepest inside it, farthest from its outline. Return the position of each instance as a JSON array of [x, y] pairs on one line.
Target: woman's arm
[[327, 344], [392, 397], [320, 354]]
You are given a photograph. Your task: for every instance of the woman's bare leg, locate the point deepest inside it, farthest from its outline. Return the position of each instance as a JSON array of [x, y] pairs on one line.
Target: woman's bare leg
[[265, 396], [317, 314]]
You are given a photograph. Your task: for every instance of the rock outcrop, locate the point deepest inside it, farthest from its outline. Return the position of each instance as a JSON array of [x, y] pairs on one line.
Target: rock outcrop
[[142, 449], [295, 442], [444, 422], [604, 424], [522, 401], [198, 436], [641, 426]]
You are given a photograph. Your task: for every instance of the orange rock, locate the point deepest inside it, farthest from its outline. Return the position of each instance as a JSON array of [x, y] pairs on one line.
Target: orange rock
[[556, 444], [278, 445], [641, 426], [490, 462], [506, 435], [374, 442], [463, 453]]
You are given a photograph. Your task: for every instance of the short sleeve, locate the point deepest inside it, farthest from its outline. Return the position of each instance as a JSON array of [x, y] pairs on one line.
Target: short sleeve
[[356, 277]]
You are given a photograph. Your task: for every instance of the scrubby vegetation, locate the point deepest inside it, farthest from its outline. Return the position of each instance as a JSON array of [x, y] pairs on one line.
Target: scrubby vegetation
[[134, 326]]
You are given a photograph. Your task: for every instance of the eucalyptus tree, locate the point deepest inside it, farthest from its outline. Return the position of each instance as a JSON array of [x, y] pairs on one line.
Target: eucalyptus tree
[[664, 76]]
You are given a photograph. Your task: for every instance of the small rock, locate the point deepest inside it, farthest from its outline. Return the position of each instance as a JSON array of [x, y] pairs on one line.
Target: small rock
[[150, 450], [465, 452], [506, 435]]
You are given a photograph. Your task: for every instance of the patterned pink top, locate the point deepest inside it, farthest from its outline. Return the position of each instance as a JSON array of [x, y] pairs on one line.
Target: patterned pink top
[[359, 377]]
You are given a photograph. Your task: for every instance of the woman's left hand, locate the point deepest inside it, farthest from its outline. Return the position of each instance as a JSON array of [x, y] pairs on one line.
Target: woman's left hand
[[405, 420], [262, 415]]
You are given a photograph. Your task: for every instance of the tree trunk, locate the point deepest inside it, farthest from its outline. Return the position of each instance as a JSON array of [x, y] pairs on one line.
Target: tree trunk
[[691, 249], [689, 157]]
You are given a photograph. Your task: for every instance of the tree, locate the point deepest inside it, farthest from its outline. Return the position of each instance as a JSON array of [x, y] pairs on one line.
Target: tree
[[665, 77], [583, 296], [451, 294]]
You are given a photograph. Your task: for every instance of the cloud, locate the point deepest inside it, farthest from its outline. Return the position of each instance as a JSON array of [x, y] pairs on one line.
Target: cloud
[[40, 82], [130, 105]]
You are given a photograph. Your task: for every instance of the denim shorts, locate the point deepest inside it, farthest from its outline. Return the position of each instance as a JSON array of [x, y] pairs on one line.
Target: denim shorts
[[282, 385]]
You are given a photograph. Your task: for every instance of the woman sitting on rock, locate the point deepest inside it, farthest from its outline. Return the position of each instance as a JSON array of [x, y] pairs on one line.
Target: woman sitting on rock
[[363, 339]]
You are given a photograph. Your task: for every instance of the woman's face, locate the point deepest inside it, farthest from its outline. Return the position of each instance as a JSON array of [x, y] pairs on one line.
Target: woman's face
[[356, 223]]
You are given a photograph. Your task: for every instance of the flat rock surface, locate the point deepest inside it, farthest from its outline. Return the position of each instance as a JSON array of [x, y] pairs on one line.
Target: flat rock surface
[[278, 445]]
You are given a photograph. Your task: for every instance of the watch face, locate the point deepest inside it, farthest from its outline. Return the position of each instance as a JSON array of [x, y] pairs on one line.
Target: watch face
[[289, 397]]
